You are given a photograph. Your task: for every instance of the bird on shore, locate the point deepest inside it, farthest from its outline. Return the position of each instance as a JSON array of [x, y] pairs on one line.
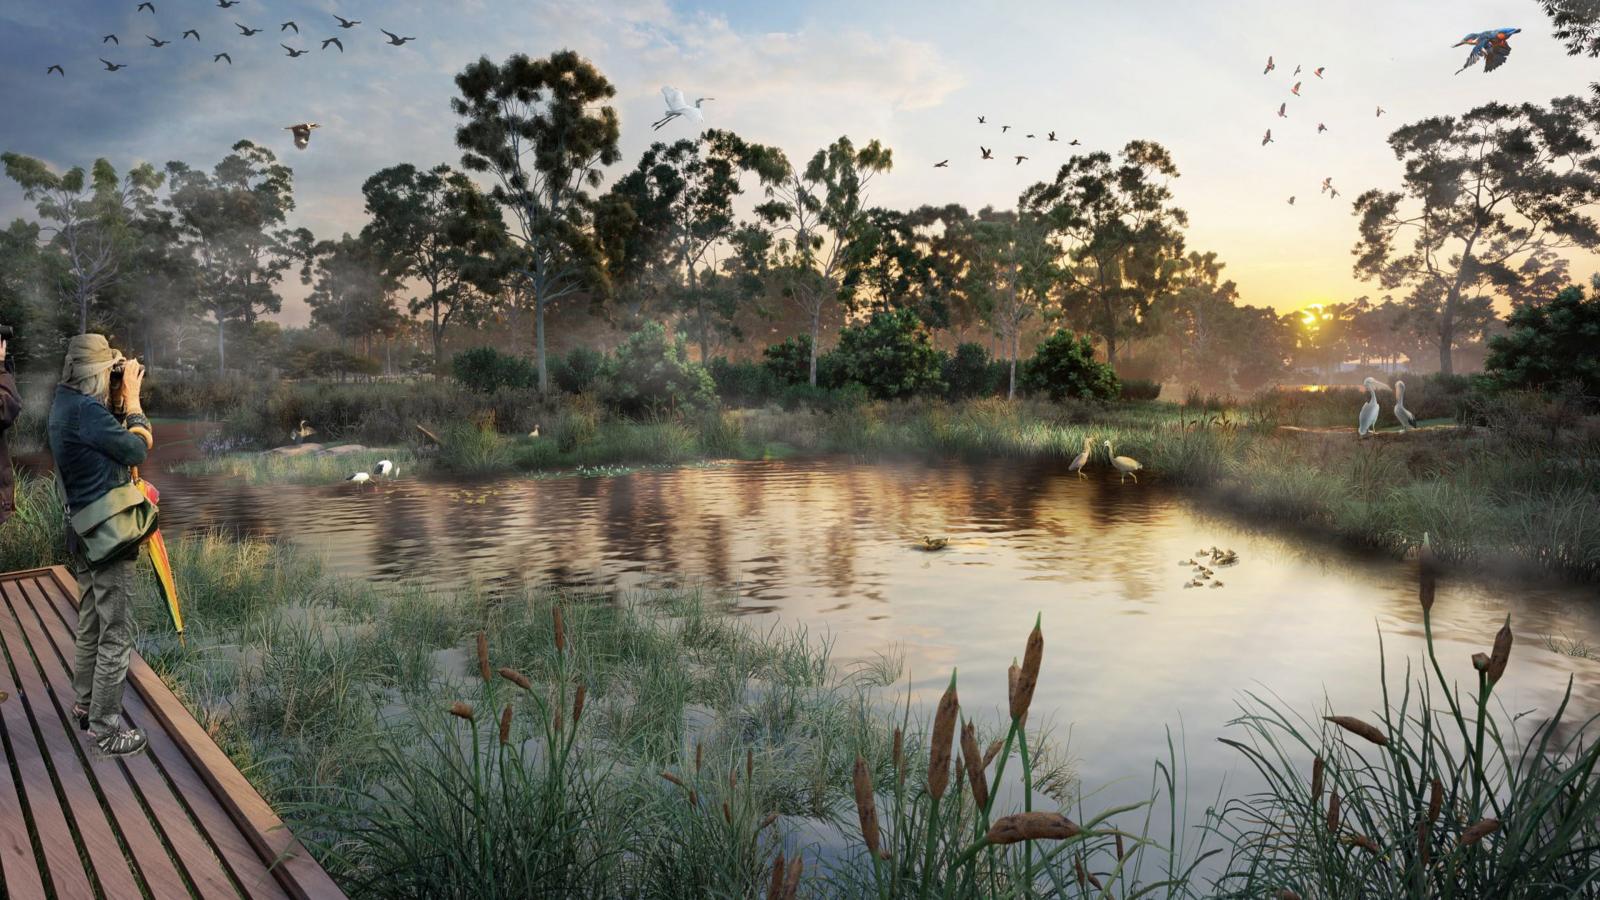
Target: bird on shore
[[385, 468], [1216, 584], [246, 30], [157, 42], [942, 164], [1020, 158], [335, 41], [1327, 183], [56, 69], [346, 23], [1126, 465], [932, 544], [535, 432], [302, 137], [1492, 47], [300, 432], [111, 66], [110, 39], [1369, 411], [1407, 420], [293, 53], [222, 56], [1266, 138], [288, 25], [359, 478], [677, 106], [1270, 66], [1082, 459], [987, 153], [189, 32], [396, 39]]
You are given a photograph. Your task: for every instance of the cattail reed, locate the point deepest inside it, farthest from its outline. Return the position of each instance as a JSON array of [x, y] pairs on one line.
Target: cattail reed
[[505, 725], [1364, 842], [462, 711], [867, 807], [1333, 812], [749, 765], [560, 628], [1121, 854], [944, 732], [1477, 831], [674, 779], [1424, 841], [775, 886], [1435, 801], [1359, 728], [1285, 894], [992, 752], [516, 678], [767, 821], [974, 763], [727, 814], [1028, 678], [699, 757], [483, 657], [558, 724], [1031, 826], [791, 884], [1480, 661], [1316, 780], [1501, 654], [1084, 875], [577, 704], [1428, 574]]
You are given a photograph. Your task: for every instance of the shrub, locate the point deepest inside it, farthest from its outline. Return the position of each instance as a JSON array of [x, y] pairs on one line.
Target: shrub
[[485, 369], [891, 355], [578, 370], [971, 372], [789, 360], [1140, 389], [1064, 366], [743, 383], [651, 372], [1549, 344]]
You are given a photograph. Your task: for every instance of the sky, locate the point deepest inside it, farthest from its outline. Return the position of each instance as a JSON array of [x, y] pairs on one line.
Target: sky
[[799, 74]]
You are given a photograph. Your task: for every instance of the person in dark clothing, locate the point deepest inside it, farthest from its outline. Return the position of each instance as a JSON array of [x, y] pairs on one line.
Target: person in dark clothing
[[10, 408], [93, 451]]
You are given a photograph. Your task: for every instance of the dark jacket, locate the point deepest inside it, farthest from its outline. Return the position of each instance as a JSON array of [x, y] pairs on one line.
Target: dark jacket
[[91, 448], [10, 408]]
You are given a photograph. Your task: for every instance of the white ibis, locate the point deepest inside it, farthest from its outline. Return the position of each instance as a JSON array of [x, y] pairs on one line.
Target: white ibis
[[1126, 465]]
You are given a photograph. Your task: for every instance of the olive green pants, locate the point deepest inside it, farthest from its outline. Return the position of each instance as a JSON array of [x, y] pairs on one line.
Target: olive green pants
[[105, 638]]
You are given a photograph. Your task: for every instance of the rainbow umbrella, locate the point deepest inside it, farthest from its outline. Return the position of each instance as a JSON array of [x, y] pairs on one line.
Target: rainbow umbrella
[[160, 561]]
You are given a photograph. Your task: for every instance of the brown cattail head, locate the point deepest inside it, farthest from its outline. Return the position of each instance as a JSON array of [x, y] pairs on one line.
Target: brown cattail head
[[974, 761], [1435, 800], [699, 757], [1031, 826], [1424, 841], [944, 731], [767, 821], [1428, 574], [791, 884], [991, 752], [1333, 812], [694, 798], [1084, 875], [462, 710], [505, 725], [558, 723], [1121, 853], [516, 678], [1360, 729], [775, 886], [673, 778], [1480, 661], [727, 814], [1013, 676], [1028, 678], [1316, 780], [483, 656], [560, 628], [1285, 894], [1478, 830], [866, 806], [577, 704], [1501, 654], [1364, 842]]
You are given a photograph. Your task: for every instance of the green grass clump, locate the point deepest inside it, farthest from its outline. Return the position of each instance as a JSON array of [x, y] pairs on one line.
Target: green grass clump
[[35, 535]]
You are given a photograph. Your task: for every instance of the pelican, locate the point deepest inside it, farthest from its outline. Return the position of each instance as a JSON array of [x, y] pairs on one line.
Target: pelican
[[385, 468], [1082, 459], [359, 478], [1369, 412], [300, 432], [1407, 420], [1126, 465]]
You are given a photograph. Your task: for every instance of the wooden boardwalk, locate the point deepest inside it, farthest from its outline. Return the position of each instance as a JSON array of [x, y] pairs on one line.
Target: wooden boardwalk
[[178, 820]]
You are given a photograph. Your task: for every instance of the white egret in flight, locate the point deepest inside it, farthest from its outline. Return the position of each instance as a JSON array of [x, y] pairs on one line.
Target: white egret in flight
[[1407, 420], [678, 105], [1126, 465], [1369, 412]]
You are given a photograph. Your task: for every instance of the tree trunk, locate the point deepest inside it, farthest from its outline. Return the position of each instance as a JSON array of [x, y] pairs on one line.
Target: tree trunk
[[1011, 389], [222, 346], [816, 337], [538, 335], [1447, 331], [438, 331]]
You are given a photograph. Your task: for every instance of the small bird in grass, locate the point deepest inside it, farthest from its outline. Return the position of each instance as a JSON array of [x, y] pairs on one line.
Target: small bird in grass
[[1266, 138], [56, 69], [1319, 70], [335, 41], [111, 66], [1081, 460], [396, 39], [1051, 136], [293, 53], [300, 432], [149, 6], [1296, 89], [346, 23], [1270, 66], [1126, 465], [1020, 158], [288, 25], [302, 133], [535, 432], [385, 468], [222, 56], [933, 543], [189, 32], [942, 164], [157, 42], [987, 153], [359, 478], [1321, 128], [1282, 110], [110, 39]]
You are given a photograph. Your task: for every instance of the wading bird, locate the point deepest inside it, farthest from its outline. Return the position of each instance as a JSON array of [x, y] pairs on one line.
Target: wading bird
[[1369, 412], [346, 23], [56, 69], [222, 56], [110, 39], [302, 137], [396, 39], [1020, 159], [678, 105], [111, 66], [1492, 47], [1126, 465], [288, 25], [1332, 192], [987, 153], [1270, 66], [359, 478], [300, 432], [1407, 420], [1327, 183], [246, 30], [188, 33], [942, 164], [1291, 199], [156, 42], [293, 53], [334, 41], [385, 468], [535, 432], [1082, 459], [1266, 138]]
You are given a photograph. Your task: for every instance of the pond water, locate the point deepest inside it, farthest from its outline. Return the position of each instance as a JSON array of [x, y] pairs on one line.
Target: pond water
[[831, 544]]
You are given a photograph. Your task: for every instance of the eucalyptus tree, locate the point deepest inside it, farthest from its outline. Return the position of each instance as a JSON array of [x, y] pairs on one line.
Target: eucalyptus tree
[[539, 127], [1120, 234], [84, 218], [816, 213], [1012, 267], [1482, 192], [1194, 320], [353, 285]]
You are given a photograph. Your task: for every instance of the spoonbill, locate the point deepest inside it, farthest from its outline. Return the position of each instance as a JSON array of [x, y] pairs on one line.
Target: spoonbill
[[359, 478], [1407, 420], [1081, 459], [1369, 412], [1126, 465], [678, 105], [385, 468]]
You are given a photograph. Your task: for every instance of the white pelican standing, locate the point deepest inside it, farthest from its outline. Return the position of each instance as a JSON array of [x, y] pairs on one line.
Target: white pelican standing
[[385, 468], [1082, 459], [678, 105], [359, 478], [1369, 412], [1407, 420], [1126, 465]]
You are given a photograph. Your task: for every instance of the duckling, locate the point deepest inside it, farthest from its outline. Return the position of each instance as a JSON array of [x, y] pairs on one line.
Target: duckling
[[1187, 562], [1187, 585], [1216, 584], [932, 543], [1227, 559]]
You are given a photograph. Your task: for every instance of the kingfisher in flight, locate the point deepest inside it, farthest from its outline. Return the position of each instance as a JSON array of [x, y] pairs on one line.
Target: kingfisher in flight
[[1492, 46]]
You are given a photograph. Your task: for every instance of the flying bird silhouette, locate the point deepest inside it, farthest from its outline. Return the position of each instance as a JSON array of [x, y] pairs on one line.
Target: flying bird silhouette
[[1296, 89], [982, 119], [1267, 138], [1027, 135], [247, 31], [1295, 72], [111, 39], [1327, 183], [1051, 135], [149, 6], [1319, 70], [1332, 192], [678, 105], [189, 32], [222, 56], [942, 164], [56, 69], [1270, 66], [1020, 159], [396, 39], [157, 43], [288, 25], [1291, 199], [1492, 47], [1074, 143], [224, 4], [111, 66], [987, 153], [346, 23], [1004, 128], [335, 41], [1281, 108], [293, 53], [1321, 128], [1381, 111], [302, 133]]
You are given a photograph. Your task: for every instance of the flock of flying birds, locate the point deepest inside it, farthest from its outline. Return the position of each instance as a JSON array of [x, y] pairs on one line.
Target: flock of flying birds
[[988, 152], [302, 131], [1283, 113]]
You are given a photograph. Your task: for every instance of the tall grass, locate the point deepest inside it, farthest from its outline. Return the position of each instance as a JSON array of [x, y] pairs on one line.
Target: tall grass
[[35, 534]]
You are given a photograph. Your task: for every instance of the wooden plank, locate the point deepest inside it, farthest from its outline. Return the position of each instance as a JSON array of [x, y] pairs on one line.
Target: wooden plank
[[30, 707], [19, 869], [296, 872], [236, 852], [156, 844]]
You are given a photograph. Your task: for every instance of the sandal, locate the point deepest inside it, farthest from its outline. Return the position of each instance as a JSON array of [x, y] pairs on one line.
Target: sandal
[[81, 716], [120, 742]]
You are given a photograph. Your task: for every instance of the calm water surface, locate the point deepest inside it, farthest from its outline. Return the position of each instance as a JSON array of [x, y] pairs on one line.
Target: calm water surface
[[830, 544]]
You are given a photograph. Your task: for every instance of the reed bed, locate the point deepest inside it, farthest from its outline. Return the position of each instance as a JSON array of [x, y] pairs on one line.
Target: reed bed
[[300, 468]]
